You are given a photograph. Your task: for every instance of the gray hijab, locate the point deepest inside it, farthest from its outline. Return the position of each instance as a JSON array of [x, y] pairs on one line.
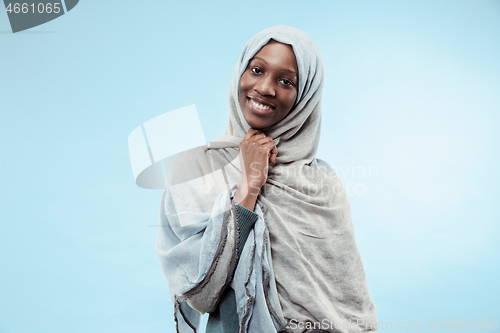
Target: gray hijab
[[304, 231], [318, 269]]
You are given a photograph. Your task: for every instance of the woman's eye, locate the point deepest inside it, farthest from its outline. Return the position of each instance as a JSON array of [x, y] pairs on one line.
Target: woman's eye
[[287, 82], [256, 70]]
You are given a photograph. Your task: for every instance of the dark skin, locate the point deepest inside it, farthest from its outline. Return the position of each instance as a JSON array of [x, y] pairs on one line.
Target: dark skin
[[267, 92]]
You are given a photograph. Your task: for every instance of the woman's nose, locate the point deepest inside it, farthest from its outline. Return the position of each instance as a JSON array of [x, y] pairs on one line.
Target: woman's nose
[[265, 86]]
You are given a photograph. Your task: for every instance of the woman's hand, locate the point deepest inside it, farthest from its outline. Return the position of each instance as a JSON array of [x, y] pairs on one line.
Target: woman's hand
[[256, 151]]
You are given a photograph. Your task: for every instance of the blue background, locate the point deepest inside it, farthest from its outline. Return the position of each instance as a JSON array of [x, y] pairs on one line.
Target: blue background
[[412, 90]]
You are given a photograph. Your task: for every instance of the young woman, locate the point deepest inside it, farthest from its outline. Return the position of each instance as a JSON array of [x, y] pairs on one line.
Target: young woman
[[254, 229]]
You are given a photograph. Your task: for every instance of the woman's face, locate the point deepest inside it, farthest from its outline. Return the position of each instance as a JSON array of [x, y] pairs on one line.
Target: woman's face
[[268, 87]]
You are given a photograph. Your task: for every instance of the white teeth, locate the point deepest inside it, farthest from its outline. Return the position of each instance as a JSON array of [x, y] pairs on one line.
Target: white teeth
[[259, 106]]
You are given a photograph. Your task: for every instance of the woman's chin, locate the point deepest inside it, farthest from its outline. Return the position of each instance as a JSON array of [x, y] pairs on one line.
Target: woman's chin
[[257, 125], [255, 122]]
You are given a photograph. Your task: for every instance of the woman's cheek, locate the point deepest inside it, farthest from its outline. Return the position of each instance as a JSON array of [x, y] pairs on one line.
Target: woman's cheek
[[291, 100], [244, 81]]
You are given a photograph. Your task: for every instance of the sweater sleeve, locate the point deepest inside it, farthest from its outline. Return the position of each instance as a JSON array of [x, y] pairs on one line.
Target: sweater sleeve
[[246, 221]]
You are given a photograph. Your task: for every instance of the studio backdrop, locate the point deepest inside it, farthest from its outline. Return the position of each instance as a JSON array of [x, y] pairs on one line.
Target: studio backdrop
[[97, 98]]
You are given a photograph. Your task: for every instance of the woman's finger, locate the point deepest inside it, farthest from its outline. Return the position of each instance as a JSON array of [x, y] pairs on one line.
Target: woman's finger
[[263, 139], [249, 134], [257, 135], [273, 151]]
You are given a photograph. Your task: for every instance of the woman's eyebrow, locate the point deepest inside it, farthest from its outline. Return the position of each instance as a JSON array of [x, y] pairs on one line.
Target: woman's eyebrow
[[259, 59], [290, 71], [284, 69]]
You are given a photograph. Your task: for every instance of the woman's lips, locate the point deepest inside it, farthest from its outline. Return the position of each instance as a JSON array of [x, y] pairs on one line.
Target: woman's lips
[[259, 108]]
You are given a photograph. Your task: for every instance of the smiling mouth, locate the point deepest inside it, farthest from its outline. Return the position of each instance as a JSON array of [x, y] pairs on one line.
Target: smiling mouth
[[259, 108]]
